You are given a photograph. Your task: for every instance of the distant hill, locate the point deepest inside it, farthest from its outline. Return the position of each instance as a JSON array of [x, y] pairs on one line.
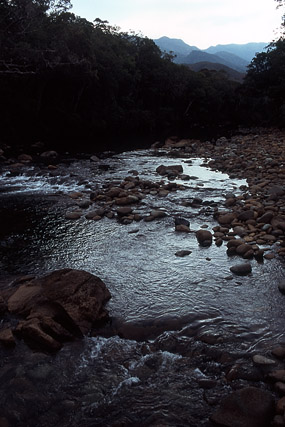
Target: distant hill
[[200, 56], [176, 45], [233, 59], [246, 51], [231, 74], [235, 56]]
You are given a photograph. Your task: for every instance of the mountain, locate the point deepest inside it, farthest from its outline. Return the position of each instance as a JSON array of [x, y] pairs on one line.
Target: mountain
[[246, 51], [233, 59], [175, 45], [200, 56], [235, 56], [231, 74]]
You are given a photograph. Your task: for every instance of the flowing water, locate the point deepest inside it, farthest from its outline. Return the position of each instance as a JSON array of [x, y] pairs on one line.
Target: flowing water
[[181, 322]]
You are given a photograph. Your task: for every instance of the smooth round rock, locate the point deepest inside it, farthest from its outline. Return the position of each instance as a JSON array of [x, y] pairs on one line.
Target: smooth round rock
[[241, 269], [73, 215]]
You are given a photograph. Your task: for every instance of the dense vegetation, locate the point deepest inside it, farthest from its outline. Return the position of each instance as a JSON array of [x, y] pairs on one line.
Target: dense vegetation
[[77, 84]]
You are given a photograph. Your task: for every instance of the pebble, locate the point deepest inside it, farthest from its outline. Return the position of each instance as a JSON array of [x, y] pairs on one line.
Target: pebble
[[183, 253]]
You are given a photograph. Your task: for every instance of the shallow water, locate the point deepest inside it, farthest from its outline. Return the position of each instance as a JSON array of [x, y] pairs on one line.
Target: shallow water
[[172, 305]]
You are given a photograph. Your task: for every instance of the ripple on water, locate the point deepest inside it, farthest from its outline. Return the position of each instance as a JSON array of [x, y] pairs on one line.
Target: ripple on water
[[147, 281]]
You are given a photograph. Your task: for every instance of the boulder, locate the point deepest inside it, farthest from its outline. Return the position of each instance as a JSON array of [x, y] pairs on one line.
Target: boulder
[[64, 304], [204, 237], [248, 407]]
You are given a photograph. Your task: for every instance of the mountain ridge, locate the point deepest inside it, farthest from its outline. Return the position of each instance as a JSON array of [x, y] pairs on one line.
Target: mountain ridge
[[235, 56]]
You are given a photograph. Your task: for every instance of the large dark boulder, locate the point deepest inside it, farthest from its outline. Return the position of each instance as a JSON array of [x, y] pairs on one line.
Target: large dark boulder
[[58, 307]]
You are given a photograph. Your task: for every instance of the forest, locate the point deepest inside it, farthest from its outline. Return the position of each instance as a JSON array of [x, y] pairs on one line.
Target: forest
[[80, 85]]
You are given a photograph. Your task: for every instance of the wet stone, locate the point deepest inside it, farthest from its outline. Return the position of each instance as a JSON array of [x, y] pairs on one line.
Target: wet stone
[[250, 407], [7, 337], [241, 269], [245, 215], [280, 406], [182, 228], [124, 211], [183, 253], [269, 256], [261, 360], [280, 387], [73, 215], [281, 287], [181, 221], [278, 375], [204, 237], [280, 350], [278, 421]]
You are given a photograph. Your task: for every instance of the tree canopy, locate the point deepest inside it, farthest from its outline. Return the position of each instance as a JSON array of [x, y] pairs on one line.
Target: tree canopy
[[70, 82]]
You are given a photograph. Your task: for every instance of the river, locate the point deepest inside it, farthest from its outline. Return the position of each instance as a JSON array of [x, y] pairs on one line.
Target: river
[[183, 322]]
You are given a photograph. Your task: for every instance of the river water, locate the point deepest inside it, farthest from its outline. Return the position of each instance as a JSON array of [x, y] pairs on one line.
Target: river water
[[181, 323]]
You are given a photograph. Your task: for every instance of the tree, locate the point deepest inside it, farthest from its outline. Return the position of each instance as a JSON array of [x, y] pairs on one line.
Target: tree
[[264, 85], [281, 4]]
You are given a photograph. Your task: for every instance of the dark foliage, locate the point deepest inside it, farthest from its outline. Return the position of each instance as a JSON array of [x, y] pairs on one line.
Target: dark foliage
[[263, 92], [73, 83]]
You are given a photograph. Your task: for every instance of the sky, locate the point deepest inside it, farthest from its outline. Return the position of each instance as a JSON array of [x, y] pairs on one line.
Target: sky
[[200, 23]]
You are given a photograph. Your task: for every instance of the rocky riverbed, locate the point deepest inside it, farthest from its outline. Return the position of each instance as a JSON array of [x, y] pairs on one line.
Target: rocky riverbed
[[185, 368]]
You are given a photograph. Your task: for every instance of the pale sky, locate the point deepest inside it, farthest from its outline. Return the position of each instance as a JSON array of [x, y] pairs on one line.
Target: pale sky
[[202, 23]]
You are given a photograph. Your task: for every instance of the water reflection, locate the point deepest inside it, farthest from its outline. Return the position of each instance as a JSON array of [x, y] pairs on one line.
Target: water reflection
[[147, 281]]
